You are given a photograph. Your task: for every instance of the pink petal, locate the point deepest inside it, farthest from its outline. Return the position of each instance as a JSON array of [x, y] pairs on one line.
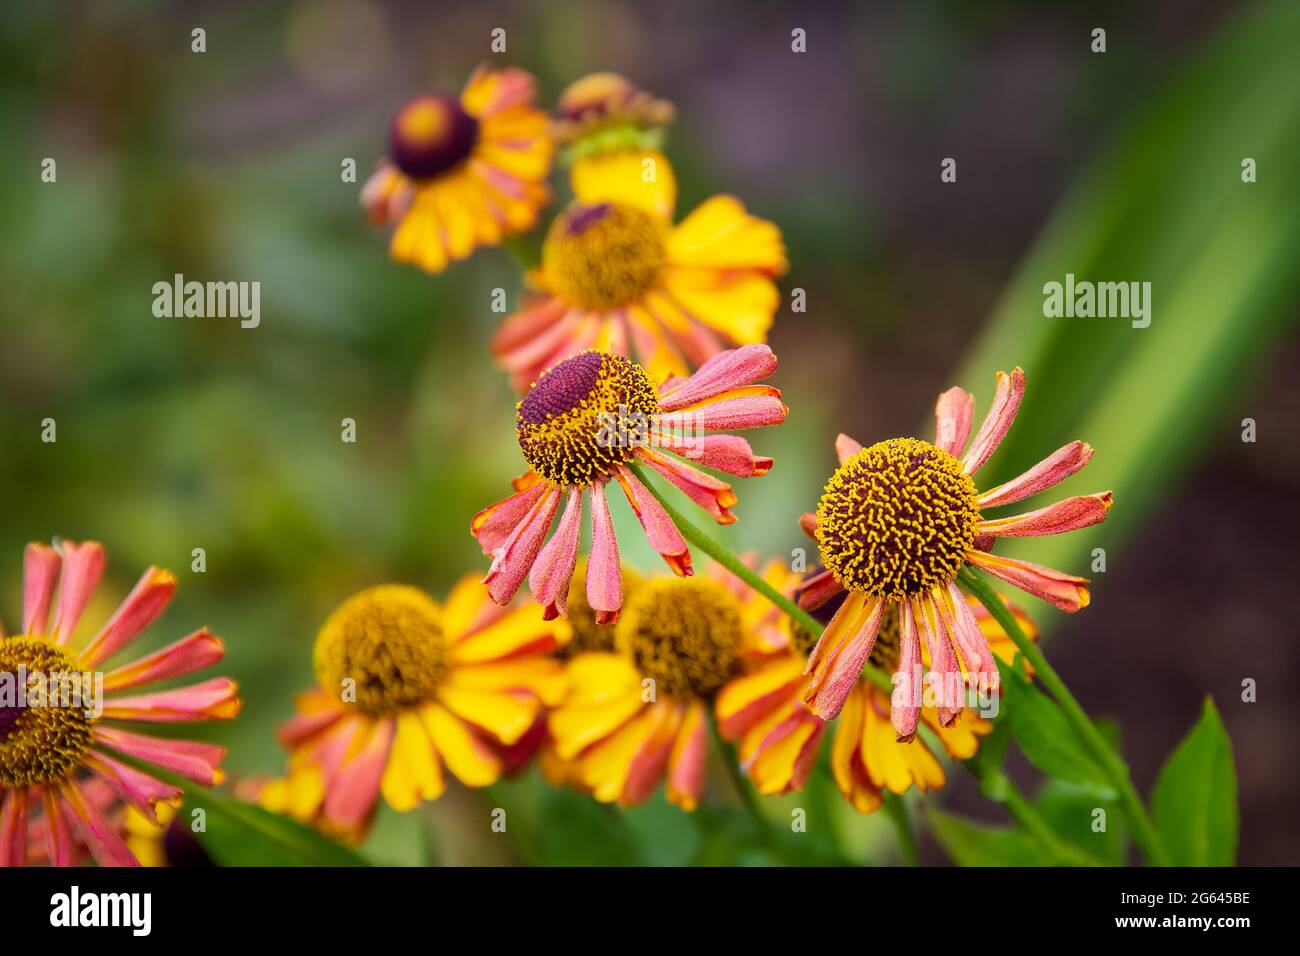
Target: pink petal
[[355, 788], [511, 561], [192, 760], [142, 606], [82, 566], [1006, 401], [753, 408], [136, 788], [58, 839], [732, 368], [846, 447], [953, 415], [1052, 470], [495, 523], [604, 572], [965, 629], [905, 702], [712, 494], [40, 575], [945, 677], [99, 836], [315, 713], [662, 534], [647, 765], [836, 662], [193, 653], [13, 826], [729, 453], [553, 570], [1061, 590], [1068, 515], [808, 524], [212, 700]]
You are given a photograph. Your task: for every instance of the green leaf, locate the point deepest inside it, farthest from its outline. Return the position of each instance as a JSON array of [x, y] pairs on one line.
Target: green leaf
[[240, 834], [1046, 737], [974, 844], [1195, 798], [576, 830], [1071, 812]]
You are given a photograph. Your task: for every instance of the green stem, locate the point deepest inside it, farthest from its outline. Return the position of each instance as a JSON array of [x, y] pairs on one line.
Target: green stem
[[998, 787], [737, 567], [896, 808], [524, 253], [1144, 830]]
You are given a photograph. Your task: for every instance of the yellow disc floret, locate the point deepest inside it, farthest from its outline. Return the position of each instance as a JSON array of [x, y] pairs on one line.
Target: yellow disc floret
[[684, 633], [603, 256], [44, 730], [897, 519], [584, 417], [386, 645]]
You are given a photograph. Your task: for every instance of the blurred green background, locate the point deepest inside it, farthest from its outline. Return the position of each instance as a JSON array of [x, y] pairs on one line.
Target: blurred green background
[[175, 434]]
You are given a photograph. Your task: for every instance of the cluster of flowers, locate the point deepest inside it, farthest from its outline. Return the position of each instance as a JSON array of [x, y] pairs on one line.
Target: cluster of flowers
[[611, 679]]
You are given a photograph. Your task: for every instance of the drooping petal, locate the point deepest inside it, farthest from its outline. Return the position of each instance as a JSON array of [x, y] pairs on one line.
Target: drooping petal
[[505, 716], [1006, 401], [135, 788], [647, 765], [846, 763], [1068, 515], [193, 653], [41, 565], [145, 602], [511, 561], [413, 773], [1061, 590], [211, 700], [494, 524], [553, 570], [905, 702], [1049, 472], [954, 413], [97, 834], [712, 494], [817, 589], [836, 662], [13, 826], [787, 753], [660, 530], [731, 369], [517, 634], [82, 566], [894, 763], [316, 711], [846, 447], [540, 675], [945, 680], [746, 699], [351, 793], [191, 759], [970, 639], [470, 759], [808, 524], [604, 572], [686, 764]]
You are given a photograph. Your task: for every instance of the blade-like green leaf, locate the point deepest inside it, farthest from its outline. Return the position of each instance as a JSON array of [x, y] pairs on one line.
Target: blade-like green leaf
[[240, 834], [1045, 735], [974, 844], [1195, 798]]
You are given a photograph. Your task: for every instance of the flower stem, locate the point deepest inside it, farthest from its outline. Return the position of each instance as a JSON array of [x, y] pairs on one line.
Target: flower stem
[[896, 809], [998, 787], [737, 567], [1144, 830]]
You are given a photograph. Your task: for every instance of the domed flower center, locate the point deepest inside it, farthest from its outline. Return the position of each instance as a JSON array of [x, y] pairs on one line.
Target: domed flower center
[[430, 135], [685, 633], [44, 730], [897, 519], [584, 417], [383, 649], [604, 256]]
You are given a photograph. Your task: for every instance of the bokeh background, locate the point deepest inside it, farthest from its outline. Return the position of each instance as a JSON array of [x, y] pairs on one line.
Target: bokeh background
[[187, 433]]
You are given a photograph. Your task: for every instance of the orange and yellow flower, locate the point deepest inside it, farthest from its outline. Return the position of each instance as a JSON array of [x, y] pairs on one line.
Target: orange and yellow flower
[[410, 690], [618, 275], [462, 172], [638, 714]]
